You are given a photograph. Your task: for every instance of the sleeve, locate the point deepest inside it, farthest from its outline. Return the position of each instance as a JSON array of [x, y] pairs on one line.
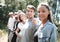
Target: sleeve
[[19, 26], [9, 24], [36, 33], [54, 35], [48, 31], [51, 33]]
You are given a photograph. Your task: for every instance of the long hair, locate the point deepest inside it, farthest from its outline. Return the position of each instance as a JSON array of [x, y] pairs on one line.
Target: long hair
[[47, 6], [20, 19]]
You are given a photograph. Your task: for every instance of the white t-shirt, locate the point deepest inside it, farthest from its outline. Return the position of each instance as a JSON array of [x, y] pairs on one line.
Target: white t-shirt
[[23, 28], [11, 23]]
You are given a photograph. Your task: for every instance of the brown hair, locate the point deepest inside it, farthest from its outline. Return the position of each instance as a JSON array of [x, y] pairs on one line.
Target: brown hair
[[47, 6], [20, 19], [31, 7]]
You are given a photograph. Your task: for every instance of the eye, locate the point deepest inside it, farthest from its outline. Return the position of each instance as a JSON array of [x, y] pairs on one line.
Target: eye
[[27, 10], [43, 11], [38, 11]]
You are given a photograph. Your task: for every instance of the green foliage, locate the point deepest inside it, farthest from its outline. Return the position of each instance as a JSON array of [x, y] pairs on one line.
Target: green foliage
[[53, 4], [3, 17], [14, 5]]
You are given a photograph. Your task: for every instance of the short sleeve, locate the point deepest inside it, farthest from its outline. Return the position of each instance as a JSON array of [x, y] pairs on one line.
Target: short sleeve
[[19, 26]]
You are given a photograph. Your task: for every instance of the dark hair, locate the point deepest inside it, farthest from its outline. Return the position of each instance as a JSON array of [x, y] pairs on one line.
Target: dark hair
[[49, 16], [16, 18], [20, 19]]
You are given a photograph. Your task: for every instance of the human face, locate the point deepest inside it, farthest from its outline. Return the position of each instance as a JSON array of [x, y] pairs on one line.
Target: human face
[[23, 17], [30, 13], [43, 13]]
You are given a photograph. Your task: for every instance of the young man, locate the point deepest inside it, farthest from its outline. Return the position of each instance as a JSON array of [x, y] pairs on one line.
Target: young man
[[33, 23], [12, 25], [10, 22], [15, 27]]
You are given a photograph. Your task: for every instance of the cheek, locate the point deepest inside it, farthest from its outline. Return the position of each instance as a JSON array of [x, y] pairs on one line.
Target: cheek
[[24, 17], [43, 16], [31, 14], [46, 16], [21, 18]]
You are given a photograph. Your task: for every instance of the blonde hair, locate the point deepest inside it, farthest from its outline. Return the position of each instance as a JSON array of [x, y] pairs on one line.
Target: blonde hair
[[31, 7], [47, 6]]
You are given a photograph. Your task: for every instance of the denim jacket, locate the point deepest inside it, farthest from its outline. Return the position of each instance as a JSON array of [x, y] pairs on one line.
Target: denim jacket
[[48, 33]]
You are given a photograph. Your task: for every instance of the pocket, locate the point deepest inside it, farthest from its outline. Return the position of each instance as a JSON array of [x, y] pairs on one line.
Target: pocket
[[40, 34]]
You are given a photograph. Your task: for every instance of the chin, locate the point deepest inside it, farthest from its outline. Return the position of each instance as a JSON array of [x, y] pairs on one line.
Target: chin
[[30, 17], [41, 19]]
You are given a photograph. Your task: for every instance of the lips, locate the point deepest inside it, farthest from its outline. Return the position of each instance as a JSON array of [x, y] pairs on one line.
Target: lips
[[41, 16]]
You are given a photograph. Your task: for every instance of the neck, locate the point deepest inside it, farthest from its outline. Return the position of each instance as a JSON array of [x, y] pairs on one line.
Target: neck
[[23, 22], [31, 18], [44, 21]]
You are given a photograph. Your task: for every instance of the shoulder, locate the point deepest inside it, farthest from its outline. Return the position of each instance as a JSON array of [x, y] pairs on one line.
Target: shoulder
[[51, 25], [10, 18], [19, 25]]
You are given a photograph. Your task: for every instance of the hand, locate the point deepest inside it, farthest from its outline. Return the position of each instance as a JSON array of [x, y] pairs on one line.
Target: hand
[[34, 21]]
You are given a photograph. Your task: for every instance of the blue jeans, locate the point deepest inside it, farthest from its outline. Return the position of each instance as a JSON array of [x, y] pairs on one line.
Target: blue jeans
[[9, 31]]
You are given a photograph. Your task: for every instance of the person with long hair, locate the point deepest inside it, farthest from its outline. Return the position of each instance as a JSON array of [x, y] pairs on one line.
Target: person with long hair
[[47, 31], [22, 26]]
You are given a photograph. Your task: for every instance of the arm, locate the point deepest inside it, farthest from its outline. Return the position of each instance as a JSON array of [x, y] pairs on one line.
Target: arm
[[17, 32], [36, 33], [54, 35]]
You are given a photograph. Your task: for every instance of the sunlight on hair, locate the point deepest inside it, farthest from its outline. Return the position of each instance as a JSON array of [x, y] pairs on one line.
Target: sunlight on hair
[[42, 3]]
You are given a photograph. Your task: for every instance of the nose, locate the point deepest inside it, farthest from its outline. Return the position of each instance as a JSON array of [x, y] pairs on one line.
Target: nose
[[40, 13], [29, 12]]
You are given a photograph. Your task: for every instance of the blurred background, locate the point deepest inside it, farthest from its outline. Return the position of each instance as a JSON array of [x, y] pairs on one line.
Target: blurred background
[[7, 6]]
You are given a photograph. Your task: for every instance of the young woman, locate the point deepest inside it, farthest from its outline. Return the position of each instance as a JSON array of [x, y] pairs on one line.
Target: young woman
[[47, 31], [22, 26]]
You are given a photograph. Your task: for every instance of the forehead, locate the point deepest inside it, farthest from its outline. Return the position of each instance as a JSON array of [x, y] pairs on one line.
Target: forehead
[[42, 8], [22, 15], [30, 9]]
